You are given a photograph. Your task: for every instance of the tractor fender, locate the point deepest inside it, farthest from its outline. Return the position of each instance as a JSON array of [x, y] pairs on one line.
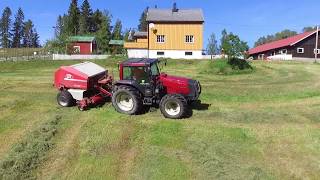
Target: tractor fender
[[128, 83]]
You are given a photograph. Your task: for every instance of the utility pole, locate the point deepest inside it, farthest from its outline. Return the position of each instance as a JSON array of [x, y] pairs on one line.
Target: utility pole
[[316, 49]]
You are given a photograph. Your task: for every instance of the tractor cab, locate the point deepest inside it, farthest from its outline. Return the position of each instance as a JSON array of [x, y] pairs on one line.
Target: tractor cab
[[140, 70], [142, 74]]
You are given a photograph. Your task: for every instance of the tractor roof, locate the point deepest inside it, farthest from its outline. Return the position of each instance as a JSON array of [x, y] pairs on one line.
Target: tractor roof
[[142, 61]]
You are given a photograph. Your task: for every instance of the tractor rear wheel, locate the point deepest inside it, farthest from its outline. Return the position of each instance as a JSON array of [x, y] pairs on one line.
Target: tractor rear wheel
[[65, 99], [174, 106], [127, 100]]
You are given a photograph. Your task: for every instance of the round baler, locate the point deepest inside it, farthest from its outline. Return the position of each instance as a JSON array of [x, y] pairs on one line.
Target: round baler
[[141, 85]]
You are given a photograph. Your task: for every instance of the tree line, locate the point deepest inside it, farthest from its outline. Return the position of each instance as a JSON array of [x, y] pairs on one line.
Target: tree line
[[82, 20], [20, 33], [280, 35], [230, 45]]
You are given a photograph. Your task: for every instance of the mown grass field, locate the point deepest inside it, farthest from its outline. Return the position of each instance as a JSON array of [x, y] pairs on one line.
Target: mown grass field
[[260, 125]]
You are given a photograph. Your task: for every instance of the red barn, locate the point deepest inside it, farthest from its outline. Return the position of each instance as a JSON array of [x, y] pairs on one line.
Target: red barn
[[82, 45]]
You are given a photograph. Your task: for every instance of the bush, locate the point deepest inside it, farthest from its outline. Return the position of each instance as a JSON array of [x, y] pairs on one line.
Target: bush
[[228, 67], [239, 64]]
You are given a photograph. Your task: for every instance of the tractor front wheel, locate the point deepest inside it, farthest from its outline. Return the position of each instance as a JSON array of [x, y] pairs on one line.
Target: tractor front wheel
[[65, 99], [173, 106], [127, 100]]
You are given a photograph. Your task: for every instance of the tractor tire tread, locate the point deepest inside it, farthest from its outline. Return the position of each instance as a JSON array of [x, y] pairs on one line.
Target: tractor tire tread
[[182, 101], [134, 93]]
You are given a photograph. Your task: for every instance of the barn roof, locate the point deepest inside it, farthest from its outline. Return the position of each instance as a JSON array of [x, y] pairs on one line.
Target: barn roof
[[281, 43], [181, 15], [81, 38]]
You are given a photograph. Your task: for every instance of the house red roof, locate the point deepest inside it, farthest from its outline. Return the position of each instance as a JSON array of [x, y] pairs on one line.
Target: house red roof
[[280, 43]]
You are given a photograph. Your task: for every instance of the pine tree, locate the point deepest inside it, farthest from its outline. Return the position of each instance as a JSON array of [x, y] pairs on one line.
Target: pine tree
[[5, 25], [103, 30], [72, 27], [59, 27], [86, 17], [27, 34], [143, 24], [17, 30], [117, 35], [35, 39], [117, 31]]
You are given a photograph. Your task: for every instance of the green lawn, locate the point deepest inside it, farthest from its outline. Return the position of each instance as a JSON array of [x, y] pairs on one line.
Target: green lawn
[[260, 125]]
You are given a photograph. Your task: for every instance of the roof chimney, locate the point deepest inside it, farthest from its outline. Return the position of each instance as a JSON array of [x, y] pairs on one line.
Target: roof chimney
[[175, 9]]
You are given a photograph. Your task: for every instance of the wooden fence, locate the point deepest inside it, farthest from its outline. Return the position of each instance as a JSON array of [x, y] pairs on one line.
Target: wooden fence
[[24, 54]]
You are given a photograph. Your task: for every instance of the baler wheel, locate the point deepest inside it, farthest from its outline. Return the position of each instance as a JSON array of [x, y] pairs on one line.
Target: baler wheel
[[173, 106], [127, 100], [65, 99]]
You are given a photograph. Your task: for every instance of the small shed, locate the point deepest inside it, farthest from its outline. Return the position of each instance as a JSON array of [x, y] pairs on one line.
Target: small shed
[[82, 45]]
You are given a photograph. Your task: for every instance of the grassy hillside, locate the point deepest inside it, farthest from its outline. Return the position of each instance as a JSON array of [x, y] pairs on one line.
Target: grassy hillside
[[258, 125]]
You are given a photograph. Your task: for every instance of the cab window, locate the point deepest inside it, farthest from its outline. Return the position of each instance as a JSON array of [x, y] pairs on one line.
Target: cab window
[[139, 74]]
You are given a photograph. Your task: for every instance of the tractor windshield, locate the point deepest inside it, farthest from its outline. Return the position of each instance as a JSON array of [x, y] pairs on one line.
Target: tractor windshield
[[139, 74]]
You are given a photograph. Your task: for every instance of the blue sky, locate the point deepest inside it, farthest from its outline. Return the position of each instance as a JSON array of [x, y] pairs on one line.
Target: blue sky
[[250, 19]]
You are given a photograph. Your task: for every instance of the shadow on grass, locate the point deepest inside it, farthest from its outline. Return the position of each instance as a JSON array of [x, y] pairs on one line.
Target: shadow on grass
[[197, 105]]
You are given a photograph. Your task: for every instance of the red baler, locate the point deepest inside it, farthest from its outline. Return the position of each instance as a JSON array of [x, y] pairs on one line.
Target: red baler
[[85, 83]]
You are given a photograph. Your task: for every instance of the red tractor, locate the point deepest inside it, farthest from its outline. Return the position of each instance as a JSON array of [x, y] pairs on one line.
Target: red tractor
[[141, 85]]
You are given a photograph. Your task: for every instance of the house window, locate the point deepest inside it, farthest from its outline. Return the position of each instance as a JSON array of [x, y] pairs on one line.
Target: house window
[[189, 39], [188, 53], [300, 50], [273, 53], [160, 53], [261, 56], [283, 51], [160, 38]]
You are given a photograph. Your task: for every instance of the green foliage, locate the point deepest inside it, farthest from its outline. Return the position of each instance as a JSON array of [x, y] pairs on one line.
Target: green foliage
[[72, 26], [117, 35], [143, 24], [57, 45], [117, 31], [5, 25], [239, 64], [28, 154], [233, 46], [85, 18], [278, 36], [30, 35], [17, 30], [212, 47], [84, 22], [309, 28], [20, 33], [103, 35]]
